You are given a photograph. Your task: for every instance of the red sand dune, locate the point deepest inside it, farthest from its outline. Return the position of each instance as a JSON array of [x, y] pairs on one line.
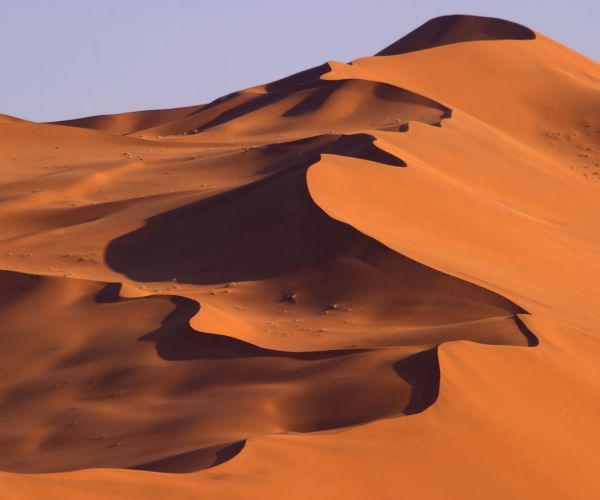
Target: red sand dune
[[368, 280]]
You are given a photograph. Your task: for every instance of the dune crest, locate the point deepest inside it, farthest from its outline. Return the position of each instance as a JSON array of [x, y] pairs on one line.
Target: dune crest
[[447, 30], [358, 274]]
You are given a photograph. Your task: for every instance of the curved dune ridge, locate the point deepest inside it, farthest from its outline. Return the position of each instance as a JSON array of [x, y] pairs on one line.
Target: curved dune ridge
[[324, 286]]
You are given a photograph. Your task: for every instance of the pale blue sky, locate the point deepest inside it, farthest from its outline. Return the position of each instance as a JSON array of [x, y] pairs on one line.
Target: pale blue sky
[[69, 58]]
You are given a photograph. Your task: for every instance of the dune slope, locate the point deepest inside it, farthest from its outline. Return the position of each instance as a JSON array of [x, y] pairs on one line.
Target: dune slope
[[364, 280]]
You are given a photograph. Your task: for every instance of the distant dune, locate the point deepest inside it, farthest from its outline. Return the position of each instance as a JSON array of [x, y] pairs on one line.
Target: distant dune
[[378, 279]]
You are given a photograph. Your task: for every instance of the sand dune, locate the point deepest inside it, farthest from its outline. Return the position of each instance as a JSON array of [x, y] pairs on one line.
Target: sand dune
[[365, 280]]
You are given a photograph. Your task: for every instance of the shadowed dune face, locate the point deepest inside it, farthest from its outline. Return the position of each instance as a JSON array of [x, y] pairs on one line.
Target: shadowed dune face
[[261, 230], [304, 105], [223, 286], [274, 222], [194, 460], [456, 29], [104, 393]]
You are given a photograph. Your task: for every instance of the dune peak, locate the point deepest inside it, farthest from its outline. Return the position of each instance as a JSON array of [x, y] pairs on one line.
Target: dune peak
[[446, 30]]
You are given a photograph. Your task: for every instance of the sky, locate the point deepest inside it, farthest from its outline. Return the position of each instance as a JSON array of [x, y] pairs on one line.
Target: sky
[[63, 59]]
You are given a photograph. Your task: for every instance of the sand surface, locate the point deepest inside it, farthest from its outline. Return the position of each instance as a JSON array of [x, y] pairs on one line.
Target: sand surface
[[368, 280]]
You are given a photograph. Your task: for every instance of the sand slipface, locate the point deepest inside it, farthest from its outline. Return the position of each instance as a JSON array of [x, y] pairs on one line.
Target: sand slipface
[[366, 280]]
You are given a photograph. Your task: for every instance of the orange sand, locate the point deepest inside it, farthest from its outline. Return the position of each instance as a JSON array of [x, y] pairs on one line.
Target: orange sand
[[368, 280]]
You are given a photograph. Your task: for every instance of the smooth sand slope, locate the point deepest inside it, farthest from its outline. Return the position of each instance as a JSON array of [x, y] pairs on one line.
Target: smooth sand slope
[[368, 280]]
